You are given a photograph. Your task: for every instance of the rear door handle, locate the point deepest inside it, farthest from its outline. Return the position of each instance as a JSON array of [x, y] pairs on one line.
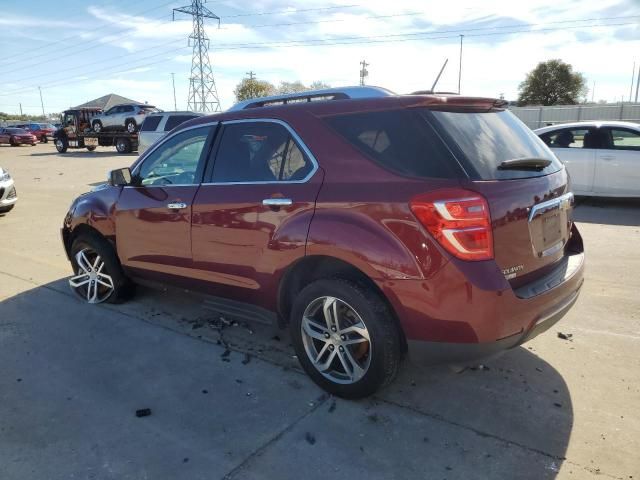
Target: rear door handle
[[177, 206], [277, 202]]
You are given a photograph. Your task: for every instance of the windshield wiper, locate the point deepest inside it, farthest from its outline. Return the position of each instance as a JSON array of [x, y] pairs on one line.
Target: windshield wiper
[[527, 163]]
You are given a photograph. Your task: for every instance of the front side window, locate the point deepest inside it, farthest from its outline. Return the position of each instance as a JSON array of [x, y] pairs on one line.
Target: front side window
[[175, 161], [623, 139], [259, 152]]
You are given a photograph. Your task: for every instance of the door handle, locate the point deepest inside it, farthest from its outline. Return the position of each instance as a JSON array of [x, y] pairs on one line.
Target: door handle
[[177, 206], [277, 202]]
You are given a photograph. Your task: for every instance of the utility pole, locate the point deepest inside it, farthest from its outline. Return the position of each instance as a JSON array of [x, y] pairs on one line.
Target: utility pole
[[20, 108], [593, 92], [41, 102], [203, 94], [460, 65], [364, 73], [251, 74], [633, 77], [173, 81], [637, 83]]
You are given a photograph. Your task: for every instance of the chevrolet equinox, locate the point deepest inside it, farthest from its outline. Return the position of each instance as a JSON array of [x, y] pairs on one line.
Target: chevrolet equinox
[[372, 224]]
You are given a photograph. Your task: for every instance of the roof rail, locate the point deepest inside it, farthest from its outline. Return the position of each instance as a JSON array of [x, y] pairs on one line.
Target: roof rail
[[314, 96]]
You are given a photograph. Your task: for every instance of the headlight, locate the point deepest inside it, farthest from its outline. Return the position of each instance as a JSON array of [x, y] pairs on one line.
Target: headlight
[[4, 177]]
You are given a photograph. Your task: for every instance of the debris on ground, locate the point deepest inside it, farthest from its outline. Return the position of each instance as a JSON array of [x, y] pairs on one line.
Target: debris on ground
[[143, 412], [246, 359], [275, 338], [332, 407], [310, 438], [226, 353], [538, 369], [185, 459], [205, 391], [556, 404], [373, 418], [238, 380], [565, 336]]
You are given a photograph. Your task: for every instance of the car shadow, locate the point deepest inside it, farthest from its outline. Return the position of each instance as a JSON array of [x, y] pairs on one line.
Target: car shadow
[[608, 211], [84, 154], [517, 402]]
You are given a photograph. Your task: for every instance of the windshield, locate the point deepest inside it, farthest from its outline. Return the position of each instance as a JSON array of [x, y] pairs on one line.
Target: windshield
[[487, 139], [16, 130]]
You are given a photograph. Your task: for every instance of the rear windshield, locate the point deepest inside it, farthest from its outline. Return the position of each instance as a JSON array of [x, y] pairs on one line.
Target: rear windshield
[[399, 140], [174, 120], [150, 124], [485, 140]]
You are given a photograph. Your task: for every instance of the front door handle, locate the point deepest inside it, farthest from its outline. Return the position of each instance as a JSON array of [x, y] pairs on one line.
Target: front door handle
[[177, 206], [277, 202]]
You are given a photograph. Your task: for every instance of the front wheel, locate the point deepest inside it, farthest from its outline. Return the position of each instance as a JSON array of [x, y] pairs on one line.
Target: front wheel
[[61, 145], [345, 337], [97, 126], [98, 276], [44, 139], [131, 126], [91, 148], [123, 145], [13, 142]]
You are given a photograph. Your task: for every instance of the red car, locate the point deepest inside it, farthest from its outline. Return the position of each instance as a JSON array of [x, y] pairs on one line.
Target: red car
[[16, 136], [372, 224], [42, 131]]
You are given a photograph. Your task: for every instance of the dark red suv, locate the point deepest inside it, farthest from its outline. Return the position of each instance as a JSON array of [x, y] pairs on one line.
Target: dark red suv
[[372, 224]]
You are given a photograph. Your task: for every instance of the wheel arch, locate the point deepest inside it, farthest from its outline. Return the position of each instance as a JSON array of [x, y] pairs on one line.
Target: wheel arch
[[315, 267], [70, 235]]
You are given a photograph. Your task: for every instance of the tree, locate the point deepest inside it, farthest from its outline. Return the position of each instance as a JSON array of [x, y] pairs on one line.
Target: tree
[[319, 85], [291, 87], [552, 83], [253, 88]]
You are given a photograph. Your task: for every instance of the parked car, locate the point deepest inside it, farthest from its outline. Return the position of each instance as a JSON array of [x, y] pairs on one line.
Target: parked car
[[8, 195], [602, 157], [16, 137], [157, 125], [42, 131], [122, 117], [371, 223]]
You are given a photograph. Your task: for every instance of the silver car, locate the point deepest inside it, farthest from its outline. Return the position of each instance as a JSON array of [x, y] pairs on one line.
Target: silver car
[[8, 196], [157, 125], [127, 116]]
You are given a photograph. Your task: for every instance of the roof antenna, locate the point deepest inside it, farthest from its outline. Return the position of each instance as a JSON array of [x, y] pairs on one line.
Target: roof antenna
[[433, 87]]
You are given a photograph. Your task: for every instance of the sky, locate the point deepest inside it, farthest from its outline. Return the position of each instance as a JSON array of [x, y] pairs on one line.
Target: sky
[[78, 51]]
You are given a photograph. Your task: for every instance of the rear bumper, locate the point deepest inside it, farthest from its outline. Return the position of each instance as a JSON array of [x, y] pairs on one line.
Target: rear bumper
[[469, 311]]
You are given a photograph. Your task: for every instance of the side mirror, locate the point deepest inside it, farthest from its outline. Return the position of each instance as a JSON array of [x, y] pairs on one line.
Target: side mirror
[[120, 177]]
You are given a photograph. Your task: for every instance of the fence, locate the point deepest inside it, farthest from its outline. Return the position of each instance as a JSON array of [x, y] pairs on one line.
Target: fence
[[536, 117]]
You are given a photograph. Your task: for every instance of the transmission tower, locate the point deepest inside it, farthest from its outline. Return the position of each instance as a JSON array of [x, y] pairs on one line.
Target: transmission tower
[[203, 94]]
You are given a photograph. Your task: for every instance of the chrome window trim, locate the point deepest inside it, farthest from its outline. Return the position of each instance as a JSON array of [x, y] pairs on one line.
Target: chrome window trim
[[296, 138]]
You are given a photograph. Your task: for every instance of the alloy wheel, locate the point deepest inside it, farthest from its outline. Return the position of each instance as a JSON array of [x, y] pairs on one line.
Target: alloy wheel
[[131, 127], [336, 340], [92, 281]]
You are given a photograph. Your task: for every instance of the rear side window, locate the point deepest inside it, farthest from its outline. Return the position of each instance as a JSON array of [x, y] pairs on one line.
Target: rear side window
[[567, 138], [150, 124], [399, 140], [486, 139], [174, 120], [259, 152]]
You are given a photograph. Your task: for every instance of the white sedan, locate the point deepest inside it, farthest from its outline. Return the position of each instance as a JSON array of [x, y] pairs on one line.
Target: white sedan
[[8, 196], [603, 158]]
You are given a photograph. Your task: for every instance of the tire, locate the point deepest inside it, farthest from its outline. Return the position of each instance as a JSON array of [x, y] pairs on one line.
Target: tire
[[44, 139], [13, 143], [131, 126], [97, 126], [123, 145], [377, 359], [91, 149], [33, 144], [93, 259], [6, 209], [61, 145]]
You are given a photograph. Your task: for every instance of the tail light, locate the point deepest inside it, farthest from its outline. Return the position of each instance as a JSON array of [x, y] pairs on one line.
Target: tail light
[[459, 220]]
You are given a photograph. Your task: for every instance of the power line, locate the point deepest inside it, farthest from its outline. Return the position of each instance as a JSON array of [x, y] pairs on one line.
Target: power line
[[282, 12]]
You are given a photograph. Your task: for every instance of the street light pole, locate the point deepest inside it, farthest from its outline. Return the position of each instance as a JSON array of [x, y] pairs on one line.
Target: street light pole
[[173, 81], [41, 102]]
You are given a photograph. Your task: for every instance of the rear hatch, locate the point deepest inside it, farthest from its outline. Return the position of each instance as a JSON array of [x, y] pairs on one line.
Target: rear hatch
[[525, 185]]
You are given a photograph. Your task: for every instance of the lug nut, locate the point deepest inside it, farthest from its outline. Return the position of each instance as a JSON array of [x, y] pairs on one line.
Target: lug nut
[[326, 335], [331, 347], [333, 329], [341, 348], [343, 337]]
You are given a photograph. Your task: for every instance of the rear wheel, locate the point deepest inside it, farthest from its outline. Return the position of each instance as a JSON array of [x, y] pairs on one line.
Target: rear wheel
[[61, 145], [44, 139], [123, 145], [345, 337], [98, 276], [97, 126], [131, 126], [13, 142], [91, 148]]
